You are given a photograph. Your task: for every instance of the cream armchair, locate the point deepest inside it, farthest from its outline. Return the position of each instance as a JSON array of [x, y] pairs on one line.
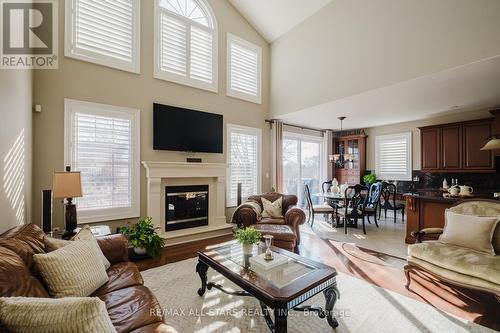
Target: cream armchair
[[458, 265]]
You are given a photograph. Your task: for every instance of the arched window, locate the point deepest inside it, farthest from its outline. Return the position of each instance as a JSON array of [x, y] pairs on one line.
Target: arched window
[[186, 43]]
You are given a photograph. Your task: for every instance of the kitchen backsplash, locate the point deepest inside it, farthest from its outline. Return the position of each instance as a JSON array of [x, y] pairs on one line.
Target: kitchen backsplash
[[481, 182]]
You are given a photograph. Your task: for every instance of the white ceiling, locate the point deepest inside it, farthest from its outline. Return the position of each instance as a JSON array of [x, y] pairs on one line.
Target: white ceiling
[[470, 87], [273, 18]]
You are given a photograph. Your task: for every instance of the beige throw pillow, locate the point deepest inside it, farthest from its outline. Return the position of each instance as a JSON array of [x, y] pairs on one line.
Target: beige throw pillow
[[85, 233], [74, 270], [49, 315], [473, 232], [272, 209]]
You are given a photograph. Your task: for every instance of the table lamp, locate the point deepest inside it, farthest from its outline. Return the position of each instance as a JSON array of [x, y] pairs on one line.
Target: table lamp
[[67, 185]]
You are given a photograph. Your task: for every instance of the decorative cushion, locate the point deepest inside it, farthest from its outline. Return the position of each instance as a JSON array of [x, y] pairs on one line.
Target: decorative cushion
[[473, 232], [86, 234], [74, 270], [272, 209], [48, 315], [322, 208], [458, 259]]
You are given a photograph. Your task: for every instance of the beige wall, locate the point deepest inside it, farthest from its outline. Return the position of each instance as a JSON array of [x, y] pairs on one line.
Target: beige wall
[[354, 46], [15, 147], [412, 126], [89, 82]]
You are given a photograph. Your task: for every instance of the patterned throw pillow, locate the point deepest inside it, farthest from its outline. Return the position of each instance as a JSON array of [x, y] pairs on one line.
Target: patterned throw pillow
[[272, 209], [75, 270], [50, 315], [52, 244]]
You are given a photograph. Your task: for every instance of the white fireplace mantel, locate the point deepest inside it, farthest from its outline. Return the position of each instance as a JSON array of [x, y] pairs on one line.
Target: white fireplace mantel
[[157, 173]]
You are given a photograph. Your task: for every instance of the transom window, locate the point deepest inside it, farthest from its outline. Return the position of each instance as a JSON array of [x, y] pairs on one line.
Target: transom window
[[186, 43]]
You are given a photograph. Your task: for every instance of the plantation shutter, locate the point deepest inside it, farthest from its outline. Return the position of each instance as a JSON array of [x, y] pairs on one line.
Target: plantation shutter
[[201, 54], [244, 69], [105, 28], [173, 45], [393, 157], [102, 151], [244, 164]]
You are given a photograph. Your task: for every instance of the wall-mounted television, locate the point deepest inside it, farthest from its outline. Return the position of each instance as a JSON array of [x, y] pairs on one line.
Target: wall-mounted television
[[180, 129]]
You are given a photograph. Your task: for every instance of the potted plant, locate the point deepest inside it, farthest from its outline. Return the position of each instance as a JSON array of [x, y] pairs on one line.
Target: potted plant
[[370, 178], [143, 237], [247, 237]]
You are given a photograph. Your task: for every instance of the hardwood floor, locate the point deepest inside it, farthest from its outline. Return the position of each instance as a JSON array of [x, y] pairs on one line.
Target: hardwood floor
[[179, 252], [377, 268]]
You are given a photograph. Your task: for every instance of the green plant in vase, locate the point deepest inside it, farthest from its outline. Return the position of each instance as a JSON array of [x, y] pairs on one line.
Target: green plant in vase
[[143, 237], [370, 178], [247, 237]]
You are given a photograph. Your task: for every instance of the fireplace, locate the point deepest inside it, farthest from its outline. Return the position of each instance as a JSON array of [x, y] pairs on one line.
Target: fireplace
[[186, 207]]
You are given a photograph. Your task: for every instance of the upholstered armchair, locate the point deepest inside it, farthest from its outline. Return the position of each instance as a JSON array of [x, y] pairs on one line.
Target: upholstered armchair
[[455, 264], [284, 228]]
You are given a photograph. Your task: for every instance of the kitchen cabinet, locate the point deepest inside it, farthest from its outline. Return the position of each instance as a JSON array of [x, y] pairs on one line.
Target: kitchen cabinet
[[456, 147], [475, 136], [430, 142]]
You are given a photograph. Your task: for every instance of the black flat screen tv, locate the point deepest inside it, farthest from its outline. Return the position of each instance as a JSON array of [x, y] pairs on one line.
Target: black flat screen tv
[[180, 129]]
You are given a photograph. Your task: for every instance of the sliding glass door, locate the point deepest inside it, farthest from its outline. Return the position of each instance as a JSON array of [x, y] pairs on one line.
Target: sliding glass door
[[303, 163]]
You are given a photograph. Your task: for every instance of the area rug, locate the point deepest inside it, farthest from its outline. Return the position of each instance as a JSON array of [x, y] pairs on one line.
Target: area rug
[[386, 271], [363, 307]]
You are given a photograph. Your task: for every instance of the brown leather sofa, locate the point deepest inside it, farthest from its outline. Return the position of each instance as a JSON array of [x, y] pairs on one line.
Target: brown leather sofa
[[285, 230], [131, 306]]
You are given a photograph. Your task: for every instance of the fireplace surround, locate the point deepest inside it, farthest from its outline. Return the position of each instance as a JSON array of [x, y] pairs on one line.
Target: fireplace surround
[[160, 175]]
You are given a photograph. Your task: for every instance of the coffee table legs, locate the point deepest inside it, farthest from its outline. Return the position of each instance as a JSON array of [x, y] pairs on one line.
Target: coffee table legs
[[331, 296], [279, 325], [201, 269]]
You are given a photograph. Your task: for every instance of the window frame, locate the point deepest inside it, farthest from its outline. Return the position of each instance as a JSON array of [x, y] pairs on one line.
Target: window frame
[[238, 94], [71, 51], [409, 156], [249, 130], [71, 107], [180, 79]]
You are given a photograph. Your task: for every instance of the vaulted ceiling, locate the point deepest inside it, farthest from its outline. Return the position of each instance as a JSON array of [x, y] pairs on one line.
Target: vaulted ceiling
[[273, 18]]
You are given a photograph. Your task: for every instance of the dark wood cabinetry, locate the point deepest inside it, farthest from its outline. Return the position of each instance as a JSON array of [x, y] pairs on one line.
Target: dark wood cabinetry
[[456, 147], [475, 137], [354, 145], [430, 148]]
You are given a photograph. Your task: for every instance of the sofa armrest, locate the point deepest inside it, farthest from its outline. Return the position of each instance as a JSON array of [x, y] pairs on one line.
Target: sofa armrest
[[114, 247], [294, 217], [419, 235], [245, 216]]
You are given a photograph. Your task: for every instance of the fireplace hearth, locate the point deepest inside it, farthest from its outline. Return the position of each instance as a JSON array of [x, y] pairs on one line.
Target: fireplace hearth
[[186, 207]]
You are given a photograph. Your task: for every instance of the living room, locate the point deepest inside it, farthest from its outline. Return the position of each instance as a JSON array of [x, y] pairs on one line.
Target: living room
[[237, 165]]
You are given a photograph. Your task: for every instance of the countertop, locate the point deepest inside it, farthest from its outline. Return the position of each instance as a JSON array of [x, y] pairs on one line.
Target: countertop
[[438, 196]]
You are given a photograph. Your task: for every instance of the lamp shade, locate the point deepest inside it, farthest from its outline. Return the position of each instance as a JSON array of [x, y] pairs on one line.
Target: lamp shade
[[67, 185], [492, 145]]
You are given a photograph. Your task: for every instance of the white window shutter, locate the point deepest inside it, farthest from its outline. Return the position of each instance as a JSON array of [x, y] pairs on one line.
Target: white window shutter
[[102, 142], [393, 156], [186, 43], [244, 161], [244, 69], [173, 44], [201, 49], [104, 32]]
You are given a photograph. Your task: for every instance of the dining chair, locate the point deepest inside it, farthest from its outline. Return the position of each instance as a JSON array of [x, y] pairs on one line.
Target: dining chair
[[354, 206], [389, 201], [325, 187], [373, 201], [316, 209]]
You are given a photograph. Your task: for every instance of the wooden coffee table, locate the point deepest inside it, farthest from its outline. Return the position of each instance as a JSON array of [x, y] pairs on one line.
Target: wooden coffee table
[[283, 288]]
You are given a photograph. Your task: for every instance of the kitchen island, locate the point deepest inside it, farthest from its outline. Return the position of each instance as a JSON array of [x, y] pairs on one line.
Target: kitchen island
[[425, 209]]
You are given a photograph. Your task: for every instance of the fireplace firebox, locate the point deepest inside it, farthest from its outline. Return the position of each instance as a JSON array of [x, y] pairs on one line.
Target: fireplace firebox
[[186, 207]]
